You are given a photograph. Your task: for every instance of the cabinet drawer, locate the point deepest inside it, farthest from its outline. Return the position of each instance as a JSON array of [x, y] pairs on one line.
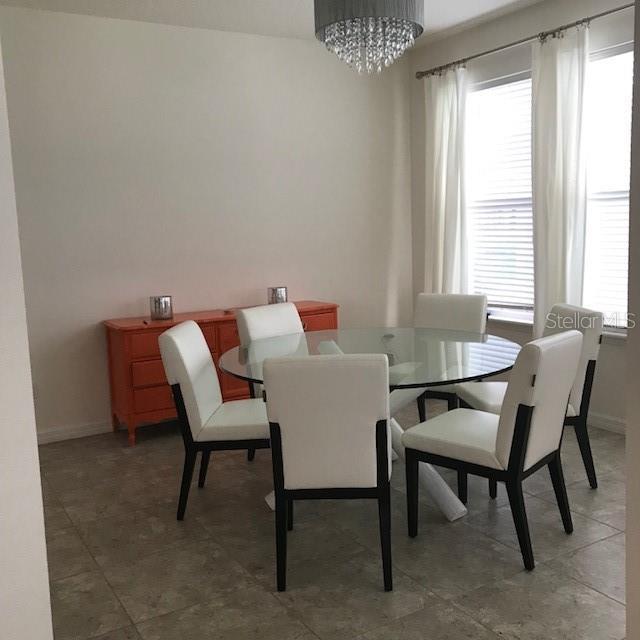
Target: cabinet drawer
[[209, 331], [153, 398], [319, 322], [148, 374], [227, 336], [145, 345]]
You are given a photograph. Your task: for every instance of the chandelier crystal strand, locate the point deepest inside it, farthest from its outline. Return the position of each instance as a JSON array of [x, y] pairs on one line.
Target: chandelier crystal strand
[[369, 44]]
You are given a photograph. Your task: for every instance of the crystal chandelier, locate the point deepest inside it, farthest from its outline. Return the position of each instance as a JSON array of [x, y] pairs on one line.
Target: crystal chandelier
[[369, 34]]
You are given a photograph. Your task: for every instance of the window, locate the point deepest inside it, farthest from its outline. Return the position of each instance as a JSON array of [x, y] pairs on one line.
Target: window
[[608, 101], [499, 195]]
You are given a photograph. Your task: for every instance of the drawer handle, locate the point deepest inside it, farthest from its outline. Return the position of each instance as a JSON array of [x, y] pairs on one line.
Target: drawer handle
[[304, 326]]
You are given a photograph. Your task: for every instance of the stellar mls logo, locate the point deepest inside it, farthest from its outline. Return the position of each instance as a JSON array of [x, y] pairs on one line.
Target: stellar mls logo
[[583, 322]]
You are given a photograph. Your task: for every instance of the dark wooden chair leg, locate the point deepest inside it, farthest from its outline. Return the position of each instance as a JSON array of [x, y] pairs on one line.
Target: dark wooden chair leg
[[204, 465], [289, 515], [557, 478], [585, 450], [281, 543], [493, 488], [411, 469], [384, 513], [187, 475], [462, 486], [251, 454], [452, 402], [422, 407], [516, 500]]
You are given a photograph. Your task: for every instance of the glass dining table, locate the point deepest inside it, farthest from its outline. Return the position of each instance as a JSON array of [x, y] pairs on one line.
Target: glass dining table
[[418, 359]]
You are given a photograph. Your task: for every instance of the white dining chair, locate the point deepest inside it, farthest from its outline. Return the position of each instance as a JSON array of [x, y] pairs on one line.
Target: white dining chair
[[267, 321], [330, 438], [508, 448], [261, 323], [488, 396], [206, 422], [453, 312]]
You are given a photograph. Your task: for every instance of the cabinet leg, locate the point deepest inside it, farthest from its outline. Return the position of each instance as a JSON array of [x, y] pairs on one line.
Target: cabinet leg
[[131, 428], [115, 423]]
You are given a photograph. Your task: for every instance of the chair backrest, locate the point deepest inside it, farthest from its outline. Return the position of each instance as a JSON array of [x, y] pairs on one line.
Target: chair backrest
[[268, 321], [456, 312], [187, 361], [290, 345], [564, 317], [328, 408], [541, 378]]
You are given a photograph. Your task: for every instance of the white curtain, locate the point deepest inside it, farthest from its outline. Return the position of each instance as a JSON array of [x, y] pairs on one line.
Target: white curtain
[[445, 250], [559, 170]]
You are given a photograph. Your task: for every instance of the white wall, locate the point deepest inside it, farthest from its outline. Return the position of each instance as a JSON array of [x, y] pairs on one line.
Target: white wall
[[24, 588], [208, 165], [633, 376], [608, 402]]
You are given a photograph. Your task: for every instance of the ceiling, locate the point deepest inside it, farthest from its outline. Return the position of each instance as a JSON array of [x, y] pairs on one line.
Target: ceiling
[[284, 18]]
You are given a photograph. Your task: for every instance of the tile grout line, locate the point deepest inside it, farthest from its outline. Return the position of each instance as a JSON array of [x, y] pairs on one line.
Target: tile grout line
[[582, 548], [192, 604], [495, 582], [564, 553], [584, 515], [591, 588], [456, 606], [110, 587], [396, 570], [588, 586], [100, 569]]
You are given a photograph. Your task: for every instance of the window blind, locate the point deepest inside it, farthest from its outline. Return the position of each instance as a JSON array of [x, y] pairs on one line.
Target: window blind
[[608, 101], [607, 255], [480, 358], [500, 194]]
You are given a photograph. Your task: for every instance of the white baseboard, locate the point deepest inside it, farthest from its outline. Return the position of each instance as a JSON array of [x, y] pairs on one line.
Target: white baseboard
[[75, 431], [608, 423]]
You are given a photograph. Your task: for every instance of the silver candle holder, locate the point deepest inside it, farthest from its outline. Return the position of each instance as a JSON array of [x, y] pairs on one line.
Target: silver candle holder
[[276, 295], [161, 307]]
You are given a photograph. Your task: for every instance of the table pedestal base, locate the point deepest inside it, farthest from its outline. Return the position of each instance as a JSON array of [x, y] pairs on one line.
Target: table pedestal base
[[270, 499], [431, 481]]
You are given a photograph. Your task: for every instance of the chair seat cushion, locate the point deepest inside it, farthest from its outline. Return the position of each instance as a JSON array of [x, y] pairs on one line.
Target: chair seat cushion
[[488, 396], [400, 398], [398, 373], [237, 420], [484, 396], [461, 434]]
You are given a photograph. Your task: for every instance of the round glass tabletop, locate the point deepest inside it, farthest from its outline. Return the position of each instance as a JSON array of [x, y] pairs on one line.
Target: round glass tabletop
[[417, 357]]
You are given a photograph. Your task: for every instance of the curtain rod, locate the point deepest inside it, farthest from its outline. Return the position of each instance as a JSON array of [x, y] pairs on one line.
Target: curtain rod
[[542, 35]]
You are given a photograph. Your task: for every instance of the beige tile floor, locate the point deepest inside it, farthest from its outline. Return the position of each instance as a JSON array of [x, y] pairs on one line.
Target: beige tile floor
[[122, 568]]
